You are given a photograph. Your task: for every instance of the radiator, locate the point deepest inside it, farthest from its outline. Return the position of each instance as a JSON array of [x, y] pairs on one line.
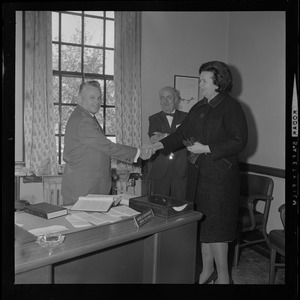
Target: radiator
[[52, 189]]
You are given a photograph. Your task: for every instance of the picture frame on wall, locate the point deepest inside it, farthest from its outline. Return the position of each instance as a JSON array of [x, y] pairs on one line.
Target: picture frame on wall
[[188, 88]]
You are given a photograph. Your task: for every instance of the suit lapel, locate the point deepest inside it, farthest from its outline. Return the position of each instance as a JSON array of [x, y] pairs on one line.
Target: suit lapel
[[94, 117]]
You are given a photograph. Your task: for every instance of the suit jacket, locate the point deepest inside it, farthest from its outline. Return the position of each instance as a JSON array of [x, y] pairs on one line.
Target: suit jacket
[[160, 162], [87, 153]]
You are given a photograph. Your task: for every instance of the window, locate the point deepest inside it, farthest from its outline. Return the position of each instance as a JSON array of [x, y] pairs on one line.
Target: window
[[82, 50]]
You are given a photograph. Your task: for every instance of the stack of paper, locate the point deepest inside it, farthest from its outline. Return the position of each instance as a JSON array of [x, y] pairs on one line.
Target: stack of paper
[[82, 218]]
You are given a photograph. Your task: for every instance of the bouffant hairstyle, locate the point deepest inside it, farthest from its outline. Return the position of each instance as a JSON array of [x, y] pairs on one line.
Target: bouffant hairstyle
[[221, 75]]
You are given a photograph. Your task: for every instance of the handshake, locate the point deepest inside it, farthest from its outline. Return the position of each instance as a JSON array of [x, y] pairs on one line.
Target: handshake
[[147, 150]]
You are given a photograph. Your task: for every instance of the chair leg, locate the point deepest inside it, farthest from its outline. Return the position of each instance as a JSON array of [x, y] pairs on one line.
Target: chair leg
[[272, 266]]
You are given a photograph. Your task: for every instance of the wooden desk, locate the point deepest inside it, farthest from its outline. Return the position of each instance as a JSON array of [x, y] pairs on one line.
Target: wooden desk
[[161, 251]]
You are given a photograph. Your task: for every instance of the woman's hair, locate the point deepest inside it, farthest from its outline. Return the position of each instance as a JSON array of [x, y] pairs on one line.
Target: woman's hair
[[221, 75]]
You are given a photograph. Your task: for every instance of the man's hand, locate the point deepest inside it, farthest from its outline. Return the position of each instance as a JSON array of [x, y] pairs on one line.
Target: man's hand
[[198, 148], [147, 151], [157, 137], [157, 146]]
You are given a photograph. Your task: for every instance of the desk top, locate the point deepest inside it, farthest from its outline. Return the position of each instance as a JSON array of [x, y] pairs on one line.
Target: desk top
[[32, 255]]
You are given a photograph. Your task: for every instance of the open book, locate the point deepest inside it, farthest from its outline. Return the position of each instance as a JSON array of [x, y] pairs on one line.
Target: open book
[[93, 202]]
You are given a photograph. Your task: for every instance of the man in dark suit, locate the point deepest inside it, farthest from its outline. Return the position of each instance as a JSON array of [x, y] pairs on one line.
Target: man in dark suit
[[167, 171], [88, 152]]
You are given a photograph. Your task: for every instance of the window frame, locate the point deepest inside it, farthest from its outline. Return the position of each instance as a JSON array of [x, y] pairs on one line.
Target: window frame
[[84, 76]]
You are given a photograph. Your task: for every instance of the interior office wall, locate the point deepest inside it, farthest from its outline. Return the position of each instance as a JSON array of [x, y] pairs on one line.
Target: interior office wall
[[177, 43], [253, 45], [256, 54]]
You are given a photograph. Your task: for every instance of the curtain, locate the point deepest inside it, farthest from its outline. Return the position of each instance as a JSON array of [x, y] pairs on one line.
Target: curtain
[[127, 78], [40, 145]]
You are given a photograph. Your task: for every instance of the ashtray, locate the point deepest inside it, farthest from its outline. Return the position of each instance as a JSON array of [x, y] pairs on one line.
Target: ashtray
[[50, 240]]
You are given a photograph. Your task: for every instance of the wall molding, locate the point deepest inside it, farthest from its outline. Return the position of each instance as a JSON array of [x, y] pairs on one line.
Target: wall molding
[[246, 167]]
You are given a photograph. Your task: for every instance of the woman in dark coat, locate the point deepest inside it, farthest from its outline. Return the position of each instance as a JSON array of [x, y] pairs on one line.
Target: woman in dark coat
[[215, 131]]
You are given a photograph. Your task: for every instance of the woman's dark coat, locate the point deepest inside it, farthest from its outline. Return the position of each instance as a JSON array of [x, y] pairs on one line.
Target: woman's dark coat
[[213, 181]]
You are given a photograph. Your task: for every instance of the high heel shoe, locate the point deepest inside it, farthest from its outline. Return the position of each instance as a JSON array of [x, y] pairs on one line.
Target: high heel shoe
[[211, 279]]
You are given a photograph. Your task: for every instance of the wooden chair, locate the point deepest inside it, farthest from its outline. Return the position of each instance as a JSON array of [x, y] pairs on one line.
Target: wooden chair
[[253, 189], [277, 245]]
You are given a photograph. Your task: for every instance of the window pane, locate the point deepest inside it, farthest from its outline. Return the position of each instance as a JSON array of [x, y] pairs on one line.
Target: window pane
[[110, 92], [93, 60], [70, 88], [54, 26], [66, 112], [62, 148], [55, 84], [54, 56], [110, 14], [57, 145], [99, 116], [70, 58], [77, 66], [110, 124], [70, 28], [60, 155], [109, 62], [56, 118], [110, 34], [93, 32], [94, 13]]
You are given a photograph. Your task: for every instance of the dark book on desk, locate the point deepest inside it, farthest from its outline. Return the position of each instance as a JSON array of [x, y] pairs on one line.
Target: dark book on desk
[[46, 210]]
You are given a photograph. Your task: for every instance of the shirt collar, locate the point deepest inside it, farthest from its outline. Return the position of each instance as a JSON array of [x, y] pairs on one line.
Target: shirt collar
[[173, 112]]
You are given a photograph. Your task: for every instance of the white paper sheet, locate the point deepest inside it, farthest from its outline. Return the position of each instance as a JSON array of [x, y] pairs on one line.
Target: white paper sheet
[[180, 208], [77, 222], [125, 198], [107, 217], [49, 229], [124, 210], [90, 217]]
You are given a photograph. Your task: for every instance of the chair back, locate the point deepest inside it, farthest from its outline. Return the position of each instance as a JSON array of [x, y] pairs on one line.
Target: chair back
[[252, 184]]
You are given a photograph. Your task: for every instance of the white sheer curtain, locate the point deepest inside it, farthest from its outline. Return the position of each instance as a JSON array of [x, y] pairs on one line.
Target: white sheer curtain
[[127, 77], [40, 145]]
